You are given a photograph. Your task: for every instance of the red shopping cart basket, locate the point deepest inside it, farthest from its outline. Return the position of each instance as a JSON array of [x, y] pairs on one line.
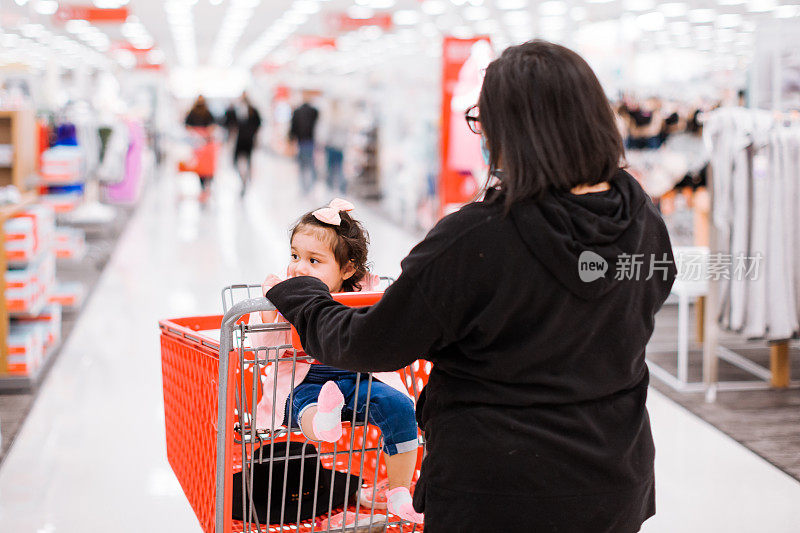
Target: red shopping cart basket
[[209, 404]]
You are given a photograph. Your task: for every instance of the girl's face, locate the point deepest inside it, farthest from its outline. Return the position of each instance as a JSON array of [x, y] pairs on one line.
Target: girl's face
[[312, 256]]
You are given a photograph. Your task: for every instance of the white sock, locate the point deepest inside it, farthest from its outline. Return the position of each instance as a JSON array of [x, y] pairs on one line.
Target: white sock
[[398, 497], [327, 421]]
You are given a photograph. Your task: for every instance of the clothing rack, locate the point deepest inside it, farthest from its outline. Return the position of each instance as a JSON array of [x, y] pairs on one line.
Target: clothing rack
[[778, 375]]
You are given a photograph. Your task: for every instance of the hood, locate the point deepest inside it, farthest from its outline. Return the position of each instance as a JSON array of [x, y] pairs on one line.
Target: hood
[[576, 237]]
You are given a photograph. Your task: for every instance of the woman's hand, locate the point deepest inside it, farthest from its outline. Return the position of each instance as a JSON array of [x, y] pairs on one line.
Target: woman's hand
[[270, 282]]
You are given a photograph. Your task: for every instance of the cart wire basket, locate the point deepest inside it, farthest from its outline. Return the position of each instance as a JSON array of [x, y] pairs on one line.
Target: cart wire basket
[[224, 458]]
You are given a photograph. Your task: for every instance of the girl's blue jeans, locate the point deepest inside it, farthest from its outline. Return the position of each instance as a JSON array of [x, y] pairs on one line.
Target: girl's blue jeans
[[389, 409]]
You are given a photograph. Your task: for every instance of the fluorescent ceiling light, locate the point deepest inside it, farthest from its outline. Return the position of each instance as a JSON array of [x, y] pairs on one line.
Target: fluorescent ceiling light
[[578, 13], [787, 12], [651, 21], [680, 28], [143, 44], [46, 7], [638, 5], [433, 7], [302, 18], [554, 8], [405, 17], [476, 13], [550, 23], [761, 6], [76, 26], [729, 20], [462, 32], [517, 18], [699, 16], [358, 12], [674, 9], [704, 32], [381, 4], [599, 1], [21, 2], [306, 6], [487, 26], [511, 4]]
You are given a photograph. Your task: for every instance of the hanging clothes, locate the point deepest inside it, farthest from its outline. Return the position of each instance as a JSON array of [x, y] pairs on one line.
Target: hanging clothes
[[755, 160]]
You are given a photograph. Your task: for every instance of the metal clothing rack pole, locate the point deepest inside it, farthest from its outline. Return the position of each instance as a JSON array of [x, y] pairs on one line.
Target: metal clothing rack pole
[[711, 328]]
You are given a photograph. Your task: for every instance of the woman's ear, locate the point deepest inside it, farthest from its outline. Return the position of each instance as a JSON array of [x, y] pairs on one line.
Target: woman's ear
[[348, 270]]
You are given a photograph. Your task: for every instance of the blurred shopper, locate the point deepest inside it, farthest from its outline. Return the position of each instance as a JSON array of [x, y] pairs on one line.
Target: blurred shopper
[[534, 413], [336, 132], [200, 123], [646, 125], [303, 125], [245, 121]]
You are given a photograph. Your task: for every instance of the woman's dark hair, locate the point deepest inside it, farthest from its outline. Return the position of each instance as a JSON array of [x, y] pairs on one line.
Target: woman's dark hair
[[547, 122], [350, 244]]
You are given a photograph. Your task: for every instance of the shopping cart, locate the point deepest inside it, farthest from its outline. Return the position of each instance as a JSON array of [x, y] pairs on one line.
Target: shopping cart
[[212, 383], [205, 150]]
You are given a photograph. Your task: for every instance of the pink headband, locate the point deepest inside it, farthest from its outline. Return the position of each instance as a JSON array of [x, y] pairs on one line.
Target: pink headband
[[330, 214]]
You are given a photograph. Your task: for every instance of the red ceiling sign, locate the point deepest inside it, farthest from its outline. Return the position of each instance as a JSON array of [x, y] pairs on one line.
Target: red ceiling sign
[[343, 22], [92, 14], [307, 42]]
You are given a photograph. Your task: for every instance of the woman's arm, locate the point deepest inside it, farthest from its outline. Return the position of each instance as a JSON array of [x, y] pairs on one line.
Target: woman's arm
[[389, 335]]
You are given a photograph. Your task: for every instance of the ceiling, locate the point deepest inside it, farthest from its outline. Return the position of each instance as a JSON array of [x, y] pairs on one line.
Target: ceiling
[[224, 33]]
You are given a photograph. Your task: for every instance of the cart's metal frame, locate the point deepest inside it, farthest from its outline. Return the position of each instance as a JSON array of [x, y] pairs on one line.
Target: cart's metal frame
[[239, 301]]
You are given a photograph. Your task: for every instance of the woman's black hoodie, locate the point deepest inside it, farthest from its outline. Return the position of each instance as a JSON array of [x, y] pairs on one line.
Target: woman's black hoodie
[[534, 413]]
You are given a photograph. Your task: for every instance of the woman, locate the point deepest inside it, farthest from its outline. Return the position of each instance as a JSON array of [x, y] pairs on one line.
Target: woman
[[200, 123], [246, 121], [534, 413]]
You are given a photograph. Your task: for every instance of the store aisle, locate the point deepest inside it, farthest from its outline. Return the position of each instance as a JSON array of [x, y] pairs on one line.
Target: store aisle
[[91, 454]]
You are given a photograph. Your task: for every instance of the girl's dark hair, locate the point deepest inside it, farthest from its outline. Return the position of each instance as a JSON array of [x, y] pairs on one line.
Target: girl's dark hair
[[350, 244], [547, 122]]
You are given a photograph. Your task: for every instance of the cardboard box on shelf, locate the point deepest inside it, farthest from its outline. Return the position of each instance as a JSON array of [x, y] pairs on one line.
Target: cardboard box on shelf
[[28, 288], [69, 294], [70, 243], [50, 322], [25, 349], [29, 233]]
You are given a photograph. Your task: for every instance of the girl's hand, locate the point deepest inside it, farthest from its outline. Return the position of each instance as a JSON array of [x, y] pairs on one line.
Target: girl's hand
[[267, 317], [270, 282]]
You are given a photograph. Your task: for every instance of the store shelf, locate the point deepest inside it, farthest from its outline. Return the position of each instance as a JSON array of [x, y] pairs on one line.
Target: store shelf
[[7, 212], [17, 128], [16, 383]]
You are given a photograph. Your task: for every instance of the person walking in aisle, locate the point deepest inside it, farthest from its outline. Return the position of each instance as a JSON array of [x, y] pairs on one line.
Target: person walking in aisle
[[533, 317], [303, 124], [336, 132], [200, 123], [246, 121]]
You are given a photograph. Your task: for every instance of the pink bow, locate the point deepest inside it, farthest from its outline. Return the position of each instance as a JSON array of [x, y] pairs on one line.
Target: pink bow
[[330, 214]]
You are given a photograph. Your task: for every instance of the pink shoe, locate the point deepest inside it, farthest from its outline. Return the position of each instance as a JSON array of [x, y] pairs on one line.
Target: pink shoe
[[328, 420], [399, 503], [366, 495], [378, 523]]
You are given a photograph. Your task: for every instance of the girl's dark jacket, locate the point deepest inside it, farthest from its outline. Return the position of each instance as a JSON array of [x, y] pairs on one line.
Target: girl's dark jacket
[[534, 413]]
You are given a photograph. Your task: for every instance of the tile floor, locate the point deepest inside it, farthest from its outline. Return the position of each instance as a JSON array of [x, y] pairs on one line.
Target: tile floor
[[91, 456]]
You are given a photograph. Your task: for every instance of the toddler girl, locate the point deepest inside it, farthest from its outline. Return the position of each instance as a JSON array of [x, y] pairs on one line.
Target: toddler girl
[[330, 245]]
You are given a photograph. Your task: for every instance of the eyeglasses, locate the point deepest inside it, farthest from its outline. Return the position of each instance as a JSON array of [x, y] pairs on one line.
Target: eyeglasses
[[473, 120]]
